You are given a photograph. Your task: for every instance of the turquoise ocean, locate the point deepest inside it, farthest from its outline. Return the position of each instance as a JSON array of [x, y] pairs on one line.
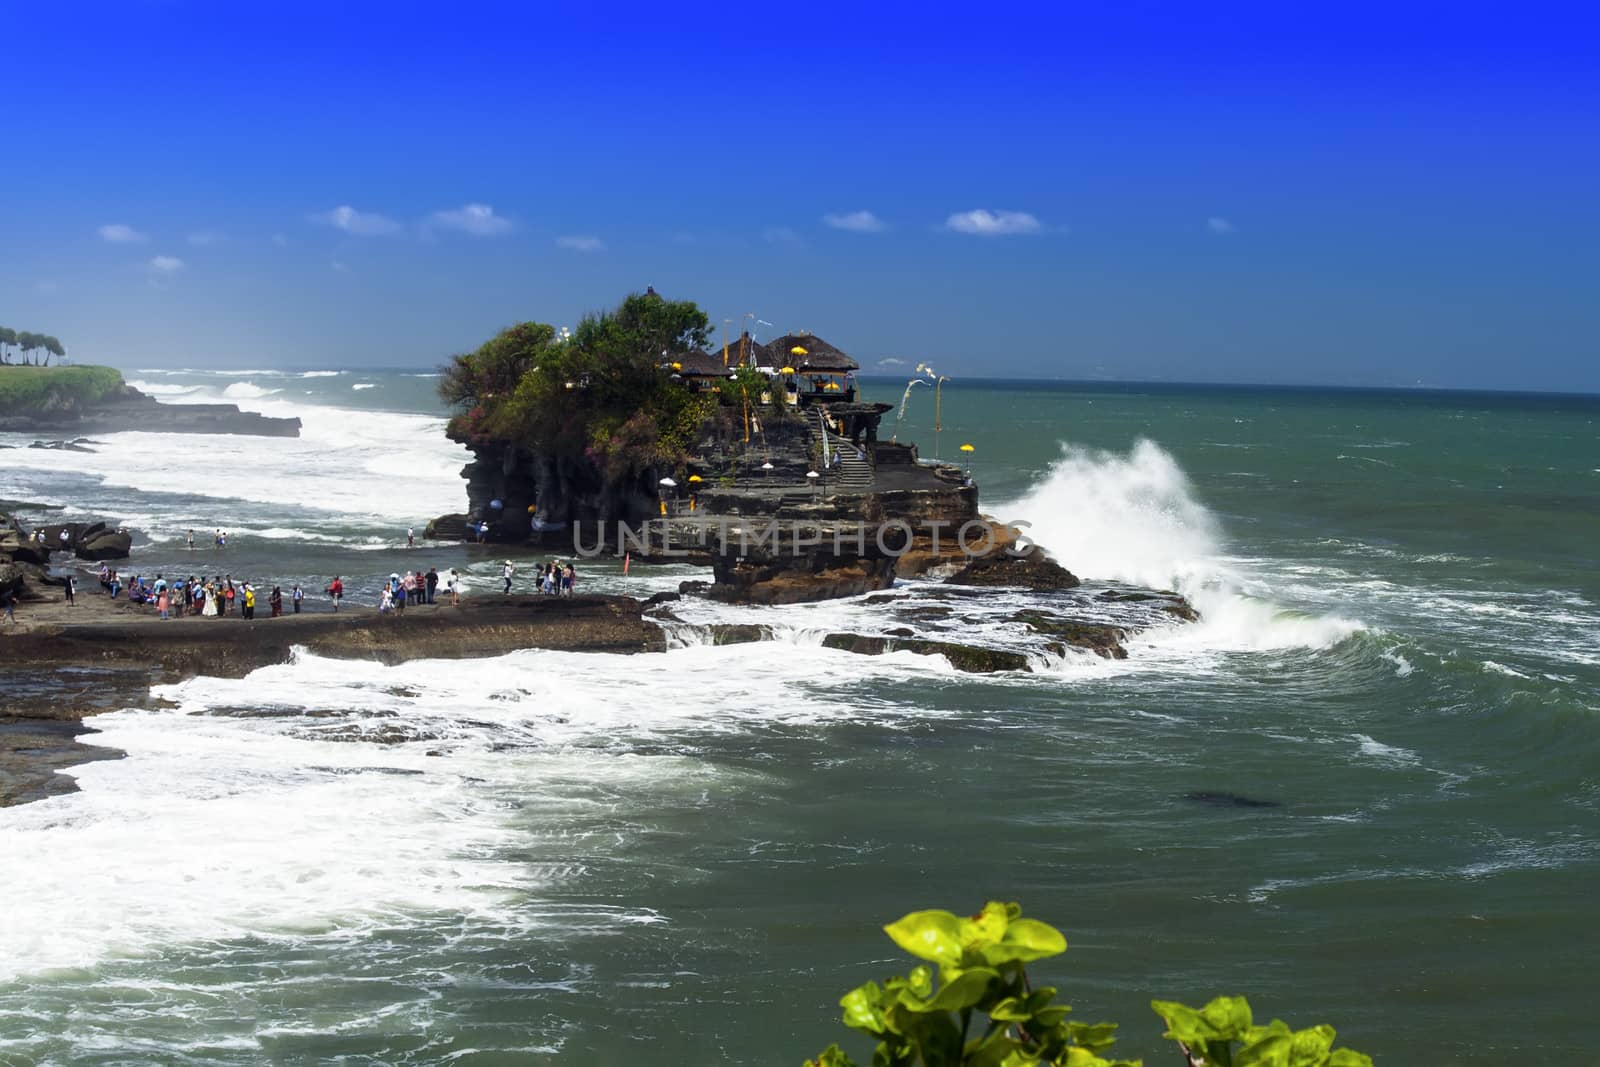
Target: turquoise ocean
[[686, 858]]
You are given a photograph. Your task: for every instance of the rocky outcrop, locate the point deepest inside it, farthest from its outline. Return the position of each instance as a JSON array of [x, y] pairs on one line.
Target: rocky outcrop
[[968, 658], [129, 409], [806, 564], [1033, 569], [1101, 639], [232, 647], [93, 541]]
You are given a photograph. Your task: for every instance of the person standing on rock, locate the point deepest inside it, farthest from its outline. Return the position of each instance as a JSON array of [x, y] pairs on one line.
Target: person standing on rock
[[506, 573], [432, 582], [72, 590], [411, 537], [296, 596], [336, 592], [66, 540], [249, 601], [458, 585], [275, 601]]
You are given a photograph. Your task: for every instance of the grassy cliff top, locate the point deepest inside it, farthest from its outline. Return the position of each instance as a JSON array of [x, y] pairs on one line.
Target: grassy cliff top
[[28, 389]]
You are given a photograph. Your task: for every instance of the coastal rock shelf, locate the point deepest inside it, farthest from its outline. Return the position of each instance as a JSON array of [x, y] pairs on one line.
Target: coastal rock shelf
[[126, 408]]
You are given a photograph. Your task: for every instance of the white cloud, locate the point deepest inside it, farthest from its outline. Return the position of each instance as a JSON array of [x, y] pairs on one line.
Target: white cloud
[[782, 235], [856, 222], [582, 243], [983, 223], [892, 361], [201, 238], [164, 265], [358, 223], [1219, 226], [476, 219], [120, 233]]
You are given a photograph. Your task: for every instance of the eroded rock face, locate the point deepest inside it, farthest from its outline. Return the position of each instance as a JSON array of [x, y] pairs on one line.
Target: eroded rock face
[[1032, 570], [812, 564]]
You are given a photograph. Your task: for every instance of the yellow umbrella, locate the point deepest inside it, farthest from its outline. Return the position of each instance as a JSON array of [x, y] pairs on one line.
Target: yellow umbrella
[[797, 351], [787, 370], [968, 448], [695, 478]]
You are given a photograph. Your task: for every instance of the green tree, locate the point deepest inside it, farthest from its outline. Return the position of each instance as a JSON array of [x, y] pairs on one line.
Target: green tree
[[982, 1011], [54, 348], [8, 336]]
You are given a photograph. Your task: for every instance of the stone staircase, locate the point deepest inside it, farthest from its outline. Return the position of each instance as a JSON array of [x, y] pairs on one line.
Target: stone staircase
[[853, 474]]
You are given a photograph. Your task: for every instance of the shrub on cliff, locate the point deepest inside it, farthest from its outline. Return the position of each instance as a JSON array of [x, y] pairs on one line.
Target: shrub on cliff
[[41, 389], [604, 393], [983, 1011]]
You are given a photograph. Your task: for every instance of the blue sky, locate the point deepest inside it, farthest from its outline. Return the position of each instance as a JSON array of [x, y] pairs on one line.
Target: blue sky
[[1358, 195]]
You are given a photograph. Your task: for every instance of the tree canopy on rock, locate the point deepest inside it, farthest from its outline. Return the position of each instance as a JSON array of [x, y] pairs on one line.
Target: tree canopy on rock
[[606, 392]]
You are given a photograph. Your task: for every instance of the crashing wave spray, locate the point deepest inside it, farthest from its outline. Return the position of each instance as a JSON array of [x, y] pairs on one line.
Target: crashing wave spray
[[1134, 518]]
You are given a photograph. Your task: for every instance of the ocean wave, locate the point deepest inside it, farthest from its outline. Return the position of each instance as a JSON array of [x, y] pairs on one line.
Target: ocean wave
[[1134, 517], [247, 391], [364, 385], [323, 373]]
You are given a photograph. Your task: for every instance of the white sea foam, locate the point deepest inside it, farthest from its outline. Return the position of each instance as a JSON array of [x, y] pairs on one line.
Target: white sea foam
[[362, 465], [351, 795], [247, 391], [364, 385], [1135, 518], [323, 373]]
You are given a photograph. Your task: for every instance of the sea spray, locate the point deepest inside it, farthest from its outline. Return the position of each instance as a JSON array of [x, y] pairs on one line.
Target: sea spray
[[1135, 518]]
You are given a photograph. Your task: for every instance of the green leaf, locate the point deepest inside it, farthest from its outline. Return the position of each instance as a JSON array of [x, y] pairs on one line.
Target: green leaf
[[1011, 1010], [986, 927], [929, 935], [921, 981], [1025, 940], [831, 1056], [1310, 1047], [862, 1010], [1094, 1036], [1346, 1057], [964, 991]]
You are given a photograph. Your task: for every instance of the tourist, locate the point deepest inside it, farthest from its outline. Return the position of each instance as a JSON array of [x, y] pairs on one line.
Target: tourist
[[163, 601], [569, 579], [453, 587], [190, 540], [71, 590], [483, 531], [249, 601], [218, 539], [65, 538], [116, 585], [275, 602], [8, 601], [209, 594], [296, 596], [229, 595], [506, 572], [432, 582], [408, 589], [411, 537], [386, 600], [105, 577], [336, 591]]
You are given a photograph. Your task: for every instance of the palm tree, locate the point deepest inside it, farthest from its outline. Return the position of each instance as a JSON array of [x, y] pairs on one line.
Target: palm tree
[[53, 347], [8, 336]]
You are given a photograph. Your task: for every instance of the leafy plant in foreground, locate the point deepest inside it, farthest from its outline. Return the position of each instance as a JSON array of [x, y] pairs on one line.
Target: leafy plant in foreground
[[983, 1012]]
